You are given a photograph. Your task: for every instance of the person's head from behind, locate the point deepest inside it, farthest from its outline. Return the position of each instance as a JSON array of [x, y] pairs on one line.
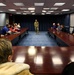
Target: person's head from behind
[[69, 69], [62, 26], [35, 20], [8, 25], [58, 24], [53, 24], [5, 51]]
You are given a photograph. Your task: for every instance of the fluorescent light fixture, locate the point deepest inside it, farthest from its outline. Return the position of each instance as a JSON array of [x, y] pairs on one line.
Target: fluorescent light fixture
[[2, 4], [43, 14], [31, 8], [1, 11], [50, 11], [46, 8], [56, 13], [18, 13], [73, 5], [54, 8], [32, 11], [18, 4], [59, 4], [23, 8], [26, 11], [11, 9], [39, 4], [66, 10], [43, 11]]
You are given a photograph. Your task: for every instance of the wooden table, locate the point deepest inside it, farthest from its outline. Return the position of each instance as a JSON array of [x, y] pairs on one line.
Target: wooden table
[[44, 60], [14, 38], [62, 38]]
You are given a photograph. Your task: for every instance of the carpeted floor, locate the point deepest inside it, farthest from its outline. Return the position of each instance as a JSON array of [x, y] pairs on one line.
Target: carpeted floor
[[41, 39]]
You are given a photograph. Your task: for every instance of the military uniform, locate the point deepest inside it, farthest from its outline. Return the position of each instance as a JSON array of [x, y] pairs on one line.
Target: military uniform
[[36, 25]]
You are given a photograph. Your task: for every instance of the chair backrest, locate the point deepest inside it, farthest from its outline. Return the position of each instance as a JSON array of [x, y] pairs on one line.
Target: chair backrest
[[69, 69]]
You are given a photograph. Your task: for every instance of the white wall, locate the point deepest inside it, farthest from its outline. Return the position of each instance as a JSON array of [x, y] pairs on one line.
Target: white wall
[[2, 19], [71, 22]]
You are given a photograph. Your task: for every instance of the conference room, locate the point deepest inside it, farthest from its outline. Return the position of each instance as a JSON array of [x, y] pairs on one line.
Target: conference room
[[41, 33]]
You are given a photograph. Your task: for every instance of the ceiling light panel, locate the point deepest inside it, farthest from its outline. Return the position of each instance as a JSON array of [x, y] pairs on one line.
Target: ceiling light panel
[[2, 4], [31, 8], [43, 11], [50, 11], [33, 13], [11, 9], [18, 12], [66, 10], [59, 4], [18, 4], [54, 8], [38, 4]]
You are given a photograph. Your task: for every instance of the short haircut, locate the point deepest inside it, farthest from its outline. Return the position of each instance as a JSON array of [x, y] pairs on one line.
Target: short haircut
[[5, 50]]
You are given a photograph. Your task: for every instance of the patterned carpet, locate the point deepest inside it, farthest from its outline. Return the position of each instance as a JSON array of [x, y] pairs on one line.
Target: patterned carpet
[[41, 39]]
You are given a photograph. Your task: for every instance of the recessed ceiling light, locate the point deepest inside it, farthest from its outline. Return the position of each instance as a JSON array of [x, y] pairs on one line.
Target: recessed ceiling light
[[39, 4], [54, 8], [11, 9], [43, 11], [66, 10], [2, 4], [1, 11], [18, 4], [18, 13], [73, 5], [26, 11], [56, 13], [31, 8], [23, 8], [32, 11], [46, 8], [50, 11], [59, 4]]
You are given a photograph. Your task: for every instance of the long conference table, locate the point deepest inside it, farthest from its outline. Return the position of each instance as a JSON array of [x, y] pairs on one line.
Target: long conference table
[[16, 37], [44, 60], [62, 38]]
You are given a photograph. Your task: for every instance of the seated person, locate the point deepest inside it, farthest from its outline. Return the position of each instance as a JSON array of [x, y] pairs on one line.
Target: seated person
[[63, 28], [7, 67], [69, 69], [18, 25], [5, 30], [54, 26], [12, 29], [16, 28], [58, 27], [73, 32]]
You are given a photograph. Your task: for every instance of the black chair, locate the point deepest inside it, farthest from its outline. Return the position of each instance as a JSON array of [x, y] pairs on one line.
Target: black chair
[[69, 69]]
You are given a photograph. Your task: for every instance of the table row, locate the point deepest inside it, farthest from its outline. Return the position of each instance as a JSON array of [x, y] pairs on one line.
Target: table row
[[62, 38]]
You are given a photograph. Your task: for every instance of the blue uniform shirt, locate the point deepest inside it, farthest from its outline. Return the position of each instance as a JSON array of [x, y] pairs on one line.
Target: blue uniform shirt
[[4, 30]]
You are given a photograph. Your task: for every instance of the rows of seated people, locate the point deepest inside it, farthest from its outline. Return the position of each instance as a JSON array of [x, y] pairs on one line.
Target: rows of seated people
[[59, 27], [10, 29]]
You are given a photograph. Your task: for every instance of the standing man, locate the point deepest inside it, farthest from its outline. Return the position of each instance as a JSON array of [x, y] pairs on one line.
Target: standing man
[[36, 26]]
